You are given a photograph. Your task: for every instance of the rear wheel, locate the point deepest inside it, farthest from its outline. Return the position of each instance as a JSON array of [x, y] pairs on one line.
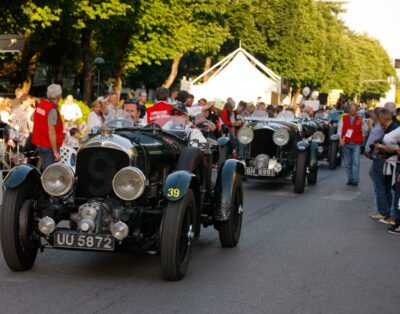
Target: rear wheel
[[19, 242], [229, 230], [339, 157], [300, 174], [332, 157], [312, 176], [177, 236]]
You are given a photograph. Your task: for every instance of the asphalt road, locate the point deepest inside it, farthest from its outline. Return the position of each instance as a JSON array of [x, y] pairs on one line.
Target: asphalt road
[[312, 253]]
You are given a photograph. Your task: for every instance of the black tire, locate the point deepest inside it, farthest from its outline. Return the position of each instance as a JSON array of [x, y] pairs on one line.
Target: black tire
[[191, 159], [18, 242], [339, 158], [223, 155], [332, 157], [177, 237], [313, 176], [229, 230], [300, 174]]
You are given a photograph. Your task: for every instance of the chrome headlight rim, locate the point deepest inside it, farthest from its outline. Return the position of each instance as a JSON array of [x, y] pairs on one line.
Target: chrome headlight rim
[[139, 175], [245, 132], [277, 134], [318, 136], [70, 175]]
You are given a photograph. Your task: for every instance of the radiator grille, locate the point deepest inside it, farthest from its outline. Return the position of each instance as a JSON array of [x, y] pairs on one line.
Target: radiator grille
[[263, 143], [95, 169]]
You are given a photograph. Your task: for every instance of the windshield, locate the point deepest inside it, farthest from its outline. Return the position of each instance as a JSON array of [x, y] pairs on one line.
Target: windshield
[[260, 114], [175, 123], [286, 115]]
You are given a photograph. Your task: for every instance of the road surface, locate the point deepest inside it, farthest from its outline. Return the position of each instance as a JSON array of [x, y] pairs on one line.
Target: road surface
[[312, 253]]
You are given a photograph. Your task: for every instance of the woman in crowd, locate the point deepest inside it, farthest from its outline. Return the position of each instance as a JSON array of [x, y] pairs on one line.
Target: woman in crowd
[[95, 118]]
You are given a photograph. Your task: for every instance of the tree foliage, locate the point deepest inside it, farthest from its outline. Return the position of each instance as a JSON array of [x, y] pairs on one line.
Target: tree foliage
[[303, 40]]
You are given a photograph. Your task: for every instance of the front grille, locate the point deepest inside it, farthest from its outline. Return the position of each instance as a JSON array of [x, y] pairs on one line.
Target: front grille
[[263, 143], [95, 169]]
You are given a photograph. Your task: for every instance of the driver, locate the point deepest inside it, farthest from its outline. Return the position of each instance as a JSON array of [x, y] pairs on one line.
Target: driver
[[180, 121]]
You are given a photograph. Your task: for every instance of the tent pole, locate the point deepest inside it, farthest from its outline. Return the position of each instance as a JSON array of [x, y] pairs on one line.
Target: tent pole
[[262, 66], [214, 66], [222, 67]]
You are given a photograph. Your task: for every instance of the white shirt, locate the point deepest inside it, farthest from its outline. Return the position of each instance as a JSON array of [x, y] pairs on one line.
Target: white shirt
[[94, 120], [194, 110], [112, 111], [392, 139], [71, 111]]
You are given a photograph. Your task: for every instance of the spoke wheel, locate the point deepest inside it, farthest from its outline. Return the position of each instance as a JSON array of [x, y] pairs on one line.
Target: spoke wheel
[[18, 239], [177, 237], [230, 230]]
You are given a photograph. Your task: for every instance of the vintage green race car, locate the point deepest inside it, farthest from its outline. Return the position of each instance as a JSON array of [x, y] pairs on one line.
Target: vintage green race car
[[275, 149], [143, 188]]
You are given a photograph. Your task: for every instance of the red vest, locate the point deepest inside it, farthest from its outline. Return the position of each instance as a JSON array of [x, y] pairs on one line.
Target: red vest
[[40, 134], [357, 136], [160, 113]]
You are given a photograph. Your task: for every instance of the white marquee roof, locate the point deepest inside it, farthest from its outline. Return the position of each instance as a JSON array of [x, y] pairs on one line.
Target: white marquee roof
[[240, 76]]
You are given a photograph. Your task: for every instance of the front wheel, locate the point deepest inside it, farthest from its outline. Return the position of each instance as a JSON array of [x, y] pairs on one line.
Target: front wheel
[[19, 242], [312, 176], [300, 173], [332, 157], [177, 236], [229, 230]]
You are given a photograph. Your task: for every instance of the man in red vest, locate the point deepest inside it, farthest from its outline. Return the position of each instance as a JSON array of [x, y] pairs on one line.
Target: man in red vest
[[160, 111], [351, 135], [47, 132]]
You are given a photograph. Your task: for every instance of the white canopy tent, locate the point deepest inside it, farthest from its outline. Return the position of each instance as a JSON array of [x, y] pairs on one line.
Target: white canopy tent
[[240, 76]]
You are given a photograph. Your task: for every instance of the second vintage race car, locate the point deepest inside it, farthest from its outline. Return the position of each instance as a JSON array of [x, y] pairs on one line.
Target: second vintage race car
[[146, 188], [275, 149]]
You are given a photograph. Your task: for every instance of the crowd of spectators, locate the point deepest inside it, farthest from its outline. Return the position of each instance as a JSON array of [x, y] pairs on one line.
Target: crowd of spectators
[[379, 129], [382, 147]]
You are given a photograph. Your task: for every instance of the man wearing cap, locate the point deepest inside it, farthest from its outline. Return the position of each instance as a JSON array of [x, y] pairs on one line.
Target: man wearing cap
[[47, 132], [180, 111]]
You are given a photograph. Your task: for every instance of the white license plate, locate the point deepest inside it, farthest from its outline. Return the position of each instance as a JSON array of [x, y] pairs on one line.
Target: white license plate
[[84, 241], [251, 171]]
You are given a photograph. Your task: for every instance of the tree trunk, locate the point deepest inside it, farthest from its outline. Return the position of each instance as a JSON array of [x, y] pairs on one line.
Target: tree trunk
[[87, 64], [207, 65], [118, 81], [27, 65], [120, 65], [29, 73], [59, 79], [174, 71]]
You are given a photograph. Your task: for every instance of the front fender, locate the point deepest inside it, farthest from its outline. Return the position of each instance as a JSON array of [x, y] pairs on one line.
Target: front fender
[[177, 184], [226, 177], [223, 140], [302, 146], [18, 175], [314, 154]]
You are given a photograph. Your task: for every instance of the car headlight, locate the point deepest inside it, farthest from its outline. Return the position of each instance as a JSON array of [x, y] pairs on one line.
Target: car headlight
[[280, 137], [319, 137], [245, 135], [129, 183], [58, 179]]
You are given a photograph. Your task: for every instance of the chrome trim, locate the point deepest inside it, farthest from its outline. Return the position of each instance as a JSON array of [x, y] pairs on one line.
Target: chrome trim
[[115, 142]]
